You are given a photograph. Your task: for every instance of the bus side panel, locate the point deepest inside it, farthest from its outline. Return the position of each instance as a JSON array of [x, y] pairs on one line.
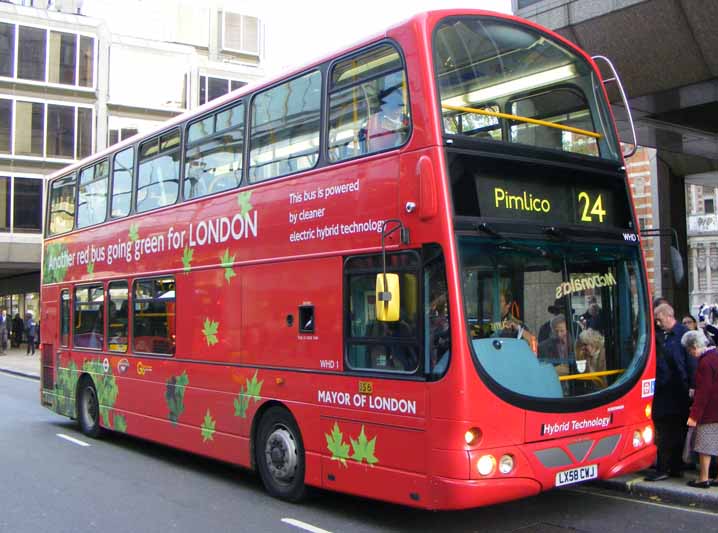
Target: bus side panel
[[272, 332]]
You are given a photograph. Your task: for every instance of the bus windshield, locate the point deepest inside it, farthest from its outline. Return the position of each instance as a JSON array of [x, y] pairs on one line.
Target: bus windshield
[[554, 320], [499, 81]]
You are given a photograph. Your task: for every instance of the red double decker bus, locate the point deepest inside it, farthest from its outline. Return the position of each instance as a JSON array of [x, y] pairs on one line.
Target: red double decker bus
[[410, 272]]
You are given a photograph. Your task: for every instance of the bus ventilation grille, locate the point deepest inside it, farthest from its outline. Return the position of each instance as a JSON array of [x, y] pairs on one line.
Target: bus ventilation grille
[[48, 367]]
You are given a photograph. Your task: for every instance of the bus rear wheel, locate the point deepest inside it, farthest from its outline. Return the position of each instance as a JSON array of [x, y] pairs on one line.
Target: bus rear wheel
[[88, 407], [280, 455]]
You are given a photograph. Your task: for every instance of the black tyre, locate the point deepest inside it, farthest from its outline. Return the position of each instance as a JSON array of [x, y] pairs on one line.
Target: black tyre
[[88, 409], [279, 453]]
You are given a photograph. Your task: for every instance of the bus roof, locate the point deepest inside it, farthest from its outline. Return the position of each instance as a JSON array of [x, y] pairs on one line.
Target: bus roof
[[419, 18]]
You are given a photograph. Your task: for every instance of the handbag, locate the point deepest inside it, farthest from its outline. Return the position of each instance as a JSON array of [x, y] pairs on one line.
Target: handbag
[[688, 445]]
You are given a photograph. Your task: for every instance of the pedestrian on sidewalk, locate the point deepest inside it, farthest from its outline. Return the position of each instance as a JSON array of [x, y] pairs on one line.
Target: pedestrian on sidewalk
[[4, 328], [704, 411], [17, 330], [671, 400], [30, 331]]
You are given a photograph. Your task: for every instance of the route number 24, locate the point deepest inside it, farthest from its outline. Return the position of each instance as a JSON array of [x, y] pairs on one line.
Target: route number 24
[[591, 207]]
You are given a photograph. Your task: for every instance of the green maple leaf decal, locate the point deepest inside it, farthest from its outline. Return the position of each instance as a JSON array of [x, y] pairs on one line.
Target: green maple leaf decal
[[134, 233], [254, 387], [174, 394], [241, 403], [208, 427], [252, 392], [364, 449], [210, 331], [243, 199], [227, 261], [335, 444], [120, 423], [91, 269], [187, 258]]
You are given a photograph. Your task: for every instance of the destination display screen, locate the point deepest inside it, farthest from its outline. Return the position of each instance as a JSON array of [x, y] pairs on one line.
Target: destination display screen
[[552, 201]]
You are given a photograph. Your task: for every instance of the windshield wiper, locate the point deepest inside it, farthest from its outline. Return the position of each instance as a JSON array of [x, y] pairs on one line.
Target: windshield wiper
[[484, 227]]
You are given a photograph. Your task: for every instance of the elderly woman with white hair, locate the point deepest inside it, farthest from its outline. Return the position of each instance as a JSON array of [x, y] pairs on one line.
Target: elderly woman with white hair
[[704, 411]]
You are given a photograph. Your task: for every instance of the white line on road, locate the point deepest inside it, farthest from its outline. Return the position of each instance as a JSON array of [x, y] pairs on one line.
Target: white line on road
[[304, 525], [72, 440], [643, 502]]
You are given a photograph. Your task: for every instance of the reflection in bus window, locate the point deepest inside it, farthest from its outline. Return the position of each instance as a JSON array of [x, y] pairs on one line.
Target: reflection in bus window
[[585, 300], [369, 108], [153, 326], [122, 172], [158, 178], [117, 315], [89, 322], [376, 345], [285, 125], [213, 160], [62, 205], [92, 202]]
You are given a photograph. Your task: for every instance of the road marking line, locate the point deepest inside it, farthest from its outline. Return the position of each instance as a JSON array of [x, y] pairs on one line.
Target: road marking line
[[73, 440], [637, 500], [304, 525]]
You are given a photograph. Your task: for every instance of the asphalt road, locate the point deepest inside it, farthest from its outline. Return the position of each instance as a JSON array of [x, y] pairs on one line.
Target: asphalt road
[[121, 484]]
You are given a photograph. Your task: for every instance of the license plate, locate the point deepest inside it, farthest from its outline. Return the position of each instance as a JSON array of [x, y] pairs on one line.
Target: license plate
[[576, 475]]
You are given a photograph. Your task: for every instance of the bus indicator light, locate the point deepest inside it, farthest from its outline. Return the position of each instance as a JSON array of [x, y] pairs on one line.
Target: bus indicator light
[[637, 439], [472, 436], [649, 410]]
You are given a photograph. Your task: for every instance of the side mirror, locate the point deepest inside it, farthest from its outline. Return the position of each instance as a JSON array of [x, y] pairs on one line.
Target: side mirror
[[387, 297], [679, 271]]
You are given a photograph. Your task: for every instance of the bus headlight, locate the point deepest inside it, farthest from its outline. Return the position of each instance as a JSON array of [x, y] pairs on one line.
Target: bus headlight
[[486, 465], [637, 439], [506, 464], [648, 434]]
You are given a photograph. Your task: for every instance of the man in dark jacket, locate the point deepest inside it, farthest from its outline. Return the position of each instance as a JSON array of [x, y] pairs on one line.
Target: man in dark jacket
[[674, 372]]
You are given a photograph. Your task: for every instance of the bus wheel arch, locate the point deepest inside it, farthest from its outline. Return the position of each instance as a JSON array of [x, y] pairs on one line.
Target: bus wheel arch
[[278, 452], [87, 407]]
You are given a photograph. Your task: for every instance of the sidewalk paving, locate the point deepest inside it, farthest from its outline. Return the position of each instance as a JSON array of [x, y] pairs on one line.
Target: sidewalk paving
[[16, 362], [670, 490]]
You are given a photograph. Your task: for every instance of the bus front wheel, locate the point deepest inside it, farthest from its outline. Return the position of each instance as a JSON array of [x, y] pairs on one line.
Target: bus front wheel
[[88, 407], [280, 455]]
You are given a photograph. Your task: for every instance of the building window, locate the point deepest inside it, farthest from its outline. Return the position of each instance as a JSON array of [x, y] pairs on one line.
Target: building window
[[709, 205], [29, 128], [240, 33], [153, 326], [87, 61], [63, 58], [211, 88], [5, 190], [27, 205], [84, 132], [5, 126], [117, 135], [7, 49], [31, 53]]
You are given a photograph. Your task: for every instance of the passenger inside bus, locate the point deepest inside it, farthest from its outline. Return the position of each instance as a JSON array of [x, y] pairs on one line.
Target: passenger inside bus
[[555, 349], [511, 326], [393, 355]]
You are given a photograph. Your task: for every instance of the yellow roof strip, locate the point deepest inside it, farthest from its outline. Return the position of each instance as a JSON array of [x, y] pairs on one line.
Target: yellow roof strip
[[522, 119], [591, 375]]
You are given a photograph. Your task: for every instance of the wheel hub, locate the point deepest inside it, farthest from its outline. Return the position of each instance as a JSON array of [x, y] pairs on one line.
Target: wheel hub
[[281, 455]]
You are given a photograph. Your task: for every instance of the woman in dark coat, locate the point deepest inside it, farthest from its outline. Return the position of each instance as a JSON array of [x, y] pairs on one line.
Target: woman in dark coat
[[17, 330], [704, 411]]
